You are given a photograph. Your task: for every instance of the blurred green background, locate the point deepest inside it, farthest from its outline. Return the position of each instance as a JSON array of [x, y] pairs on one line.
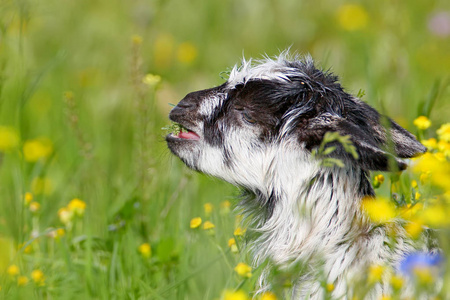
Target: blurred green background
[[84, 121]]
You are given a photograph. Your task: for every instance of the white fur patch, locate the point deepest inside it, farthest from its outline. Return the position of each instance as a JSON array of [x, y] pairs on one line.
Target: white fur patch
[[277, 69]]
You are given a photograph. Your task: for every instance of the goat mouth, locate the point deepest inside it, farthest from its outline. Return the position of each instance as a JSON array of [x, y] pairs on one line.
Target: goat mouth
[[179, 131]]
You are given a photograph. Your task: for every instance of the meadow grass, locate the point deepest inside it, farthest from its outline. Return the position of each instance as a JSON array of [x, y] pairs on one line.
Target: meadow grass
[[85, 88]]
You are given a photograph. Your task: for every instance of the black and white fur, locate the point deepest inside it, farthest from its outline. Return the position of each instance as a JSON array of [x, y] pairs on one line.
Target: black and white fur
[[257, 131]]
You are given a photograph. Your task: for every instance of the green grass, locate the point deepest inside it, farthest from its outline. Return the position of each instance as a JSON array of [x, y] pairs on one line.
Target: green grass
[[108, 148]]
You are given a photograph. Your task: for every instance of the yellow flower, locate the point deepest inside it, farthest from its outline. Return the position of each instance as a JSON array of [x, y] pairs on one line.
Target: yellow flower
[[38, 277], [60, 232], [444, 148], [57, 233], [235, 295], [163, 50], [239, 231], [375, 273], [379, 210], [208, 225], [385, 297], [435, 168], [378, 180], [268, 296], [196, 222], [208, 208], [444, 132], [77, 206], [151, 80], [145, 249], [397, 282], [225, 207], [41, 185], [352, 17], [34, 207], [232, 245], [65, 215], [435, 216], [422, 123], [424, 275], [186, 53], [22, 280], [8, 138], [36, 149], [417, 195], [414, 184], [414, 229], [330, 287], [431, 144], [136, 39], [243, 270], [13, 270], [28, 197]]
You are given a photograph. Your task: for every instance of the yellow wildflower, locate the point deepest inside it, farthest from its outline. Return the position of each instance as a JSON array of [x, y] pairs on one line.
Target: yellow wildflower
[[208, 225], [8, 138], [163, 50], [414, 184], [186, 53], [41, 185], [397, 282], [352, 17], [330, 287], [28, 197], [38, 277], [65, 215], [444, 148], [444, 132], [375, 273], [235, 295], [243, 270], [435, 216], [239, 231], [196, 222], [410, 211], [378, 180], [424, 275], [268, 296], [34, 207], [60, 232], [232, 245], [13, 270], [36, 149], [385, 297], [145, 250], [225, 207], [431, 144], [208, 207], [151, 80], [77, 206], [424, 177], [22, 280], [417, 195], [136, 39], [434, 168], [414, 229], [379, 210], [422, 123]]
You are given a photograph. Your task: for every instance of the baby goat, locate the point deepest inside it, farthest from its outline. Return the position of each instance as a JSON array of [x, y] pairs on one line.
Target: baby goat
[[259, 131]]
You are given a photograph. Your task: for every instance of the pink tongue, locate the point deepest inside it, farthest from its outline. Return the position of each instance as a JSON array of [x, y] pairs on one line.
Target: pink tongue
[[188, 135]]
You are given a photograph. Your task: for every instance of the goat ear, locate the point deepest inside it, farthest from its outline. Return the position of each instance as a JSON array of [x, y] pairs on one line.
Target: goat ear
[[370, 141], [405, 144]]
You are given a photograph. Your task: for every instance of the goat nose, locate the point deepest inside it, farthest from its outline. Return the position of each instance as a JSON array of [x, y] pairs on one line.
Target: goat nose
[[185, 104]]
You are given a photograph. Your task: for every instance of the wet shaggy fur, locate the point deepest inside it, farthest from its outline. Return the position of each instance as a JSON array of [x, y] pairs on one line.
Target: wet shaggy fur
[[258, 130]]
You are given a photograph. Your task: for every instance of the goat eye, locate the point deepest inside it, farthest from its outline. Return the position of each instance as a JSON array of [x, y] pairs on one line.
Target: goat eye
[[248, 118]]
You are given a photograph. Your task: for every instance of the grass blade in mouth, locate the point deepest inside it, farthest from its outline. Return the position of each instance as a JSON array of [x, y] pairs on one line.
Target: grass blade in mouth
[[174, 128]]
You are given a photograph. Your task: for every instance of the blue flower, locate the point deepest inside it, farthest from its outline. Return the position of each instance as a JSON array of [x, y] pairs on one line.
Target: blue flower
[[420, 260]]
